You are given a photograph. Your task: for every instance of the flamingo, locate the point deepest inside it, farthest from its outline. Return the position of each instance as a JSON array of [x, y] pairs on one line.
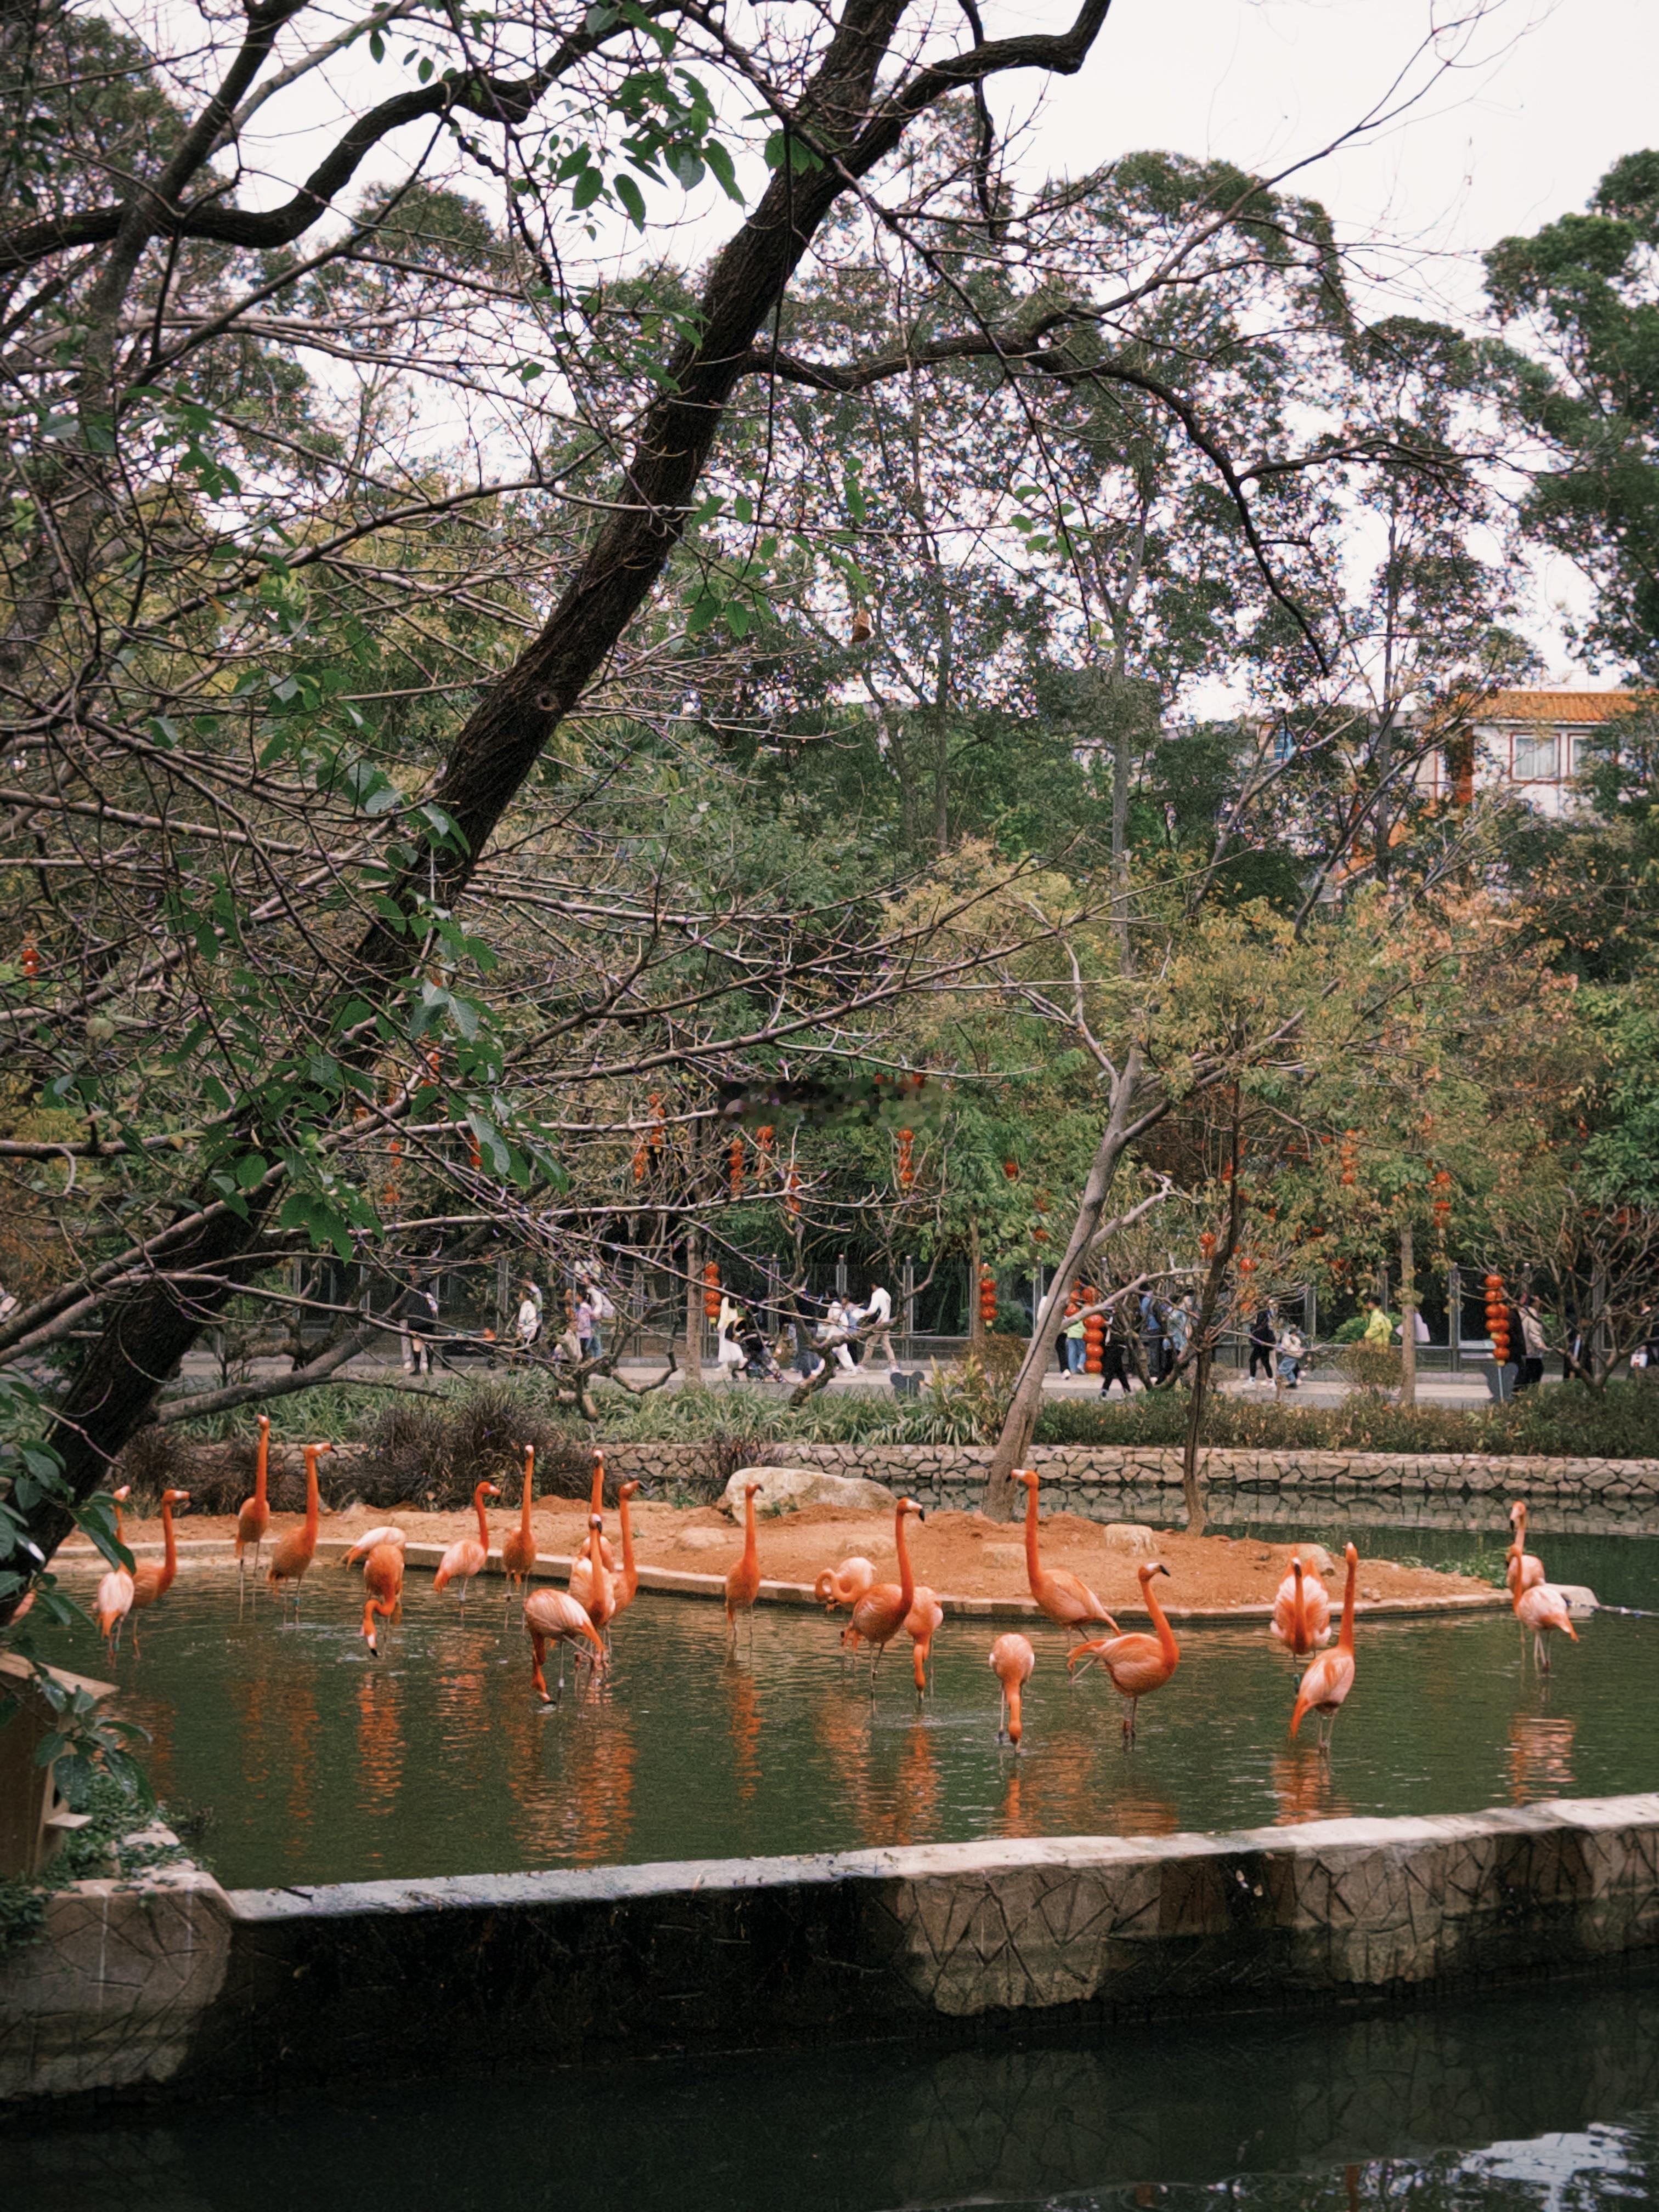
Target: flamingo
[[150, 1582], [386, 1533], [553, 1616], [298, 1548], [114, 1600], [253, 1521], [519, 1546], [1525, 1570], [1329, 1681], [383, 1582], [743, 1581], [466, 1558], [1301, 1611], [591, 1582], [1138, 1664], [885, 1607], [628, 1581], [1011, 1662], [926, 1615], [596, 1504], [1064, 1597], [845, 1584], [1543, 1610]]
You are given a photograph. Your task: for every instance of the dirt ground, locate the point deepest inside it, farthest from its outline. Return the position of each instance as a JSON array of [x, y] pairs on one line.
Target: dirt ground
[[958, 1554]]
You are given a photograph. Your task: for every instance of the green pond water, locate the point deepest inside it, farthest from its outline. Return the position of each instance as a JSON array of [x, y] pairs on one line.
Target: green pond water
[[1545, 2102], [316, 1764]]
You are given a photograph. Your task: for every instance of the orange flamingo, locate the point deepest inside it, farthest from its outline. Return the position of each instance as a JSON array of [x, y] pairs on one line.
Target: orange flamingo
[[519, 1546], [383, 1582], [1138, 1664], [1064, 1597], [297, 1551], [885, 1607], [553, 1616], [1544, 1610], [592, 1584], [743, 1581], [1301, 1611], [1011, 1662], [926, 1615], [1326, 1683], [596, 1504], [386, 1533], [467, 1558], [627, 1582], [114, 1600], [253, 1522], [151, 1582], [1524, 1570], [845, 1584]]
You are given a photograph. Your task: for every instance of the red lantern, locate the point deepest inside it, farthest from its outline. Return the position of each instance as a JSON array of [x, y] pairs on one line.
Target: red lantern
[[1010, 1168], [763, 1144], [474, 1153], [1246, 1266], [1094, 1342], [657, 1120], [987, 1297], [906, 1170], [735, 1161], [30, 960], [1206, 1245], [711, 1292], [640, 1155], [1348, 1157], [792, 1203]]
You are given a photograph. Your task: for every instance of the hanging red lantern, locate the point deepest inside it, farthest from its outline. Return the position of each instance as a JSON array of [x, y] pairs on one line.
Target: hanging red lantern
[[763, 1144], [1246, 1266], [640, 1155], [734, 1160], [657, 1120], [711, 1292], [907, 1169], [1094, 1342], [1348, 1157], [792, 1202], [1010, 1168], [1206, 1245], [474, 1153], [987, 1297], [30, 960]]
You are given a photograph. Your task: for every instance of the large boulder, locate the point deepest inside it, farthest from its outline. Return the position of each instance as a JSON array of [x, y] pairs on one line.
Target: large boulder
[[803, 1486]]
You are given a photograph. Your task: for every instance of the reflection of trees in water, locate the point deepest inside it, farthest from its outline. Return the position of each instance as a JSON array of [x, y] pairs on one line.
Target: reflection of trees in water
[[379, 1743], [1540, 1756]]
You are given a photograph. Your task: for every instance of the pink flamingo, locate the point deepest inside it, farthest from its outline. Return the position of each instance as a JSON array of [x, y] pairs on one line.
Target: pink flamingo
[[1543, 1610], [628, 1581], [1326, 1684], [386, 1533], [467, 1558], [151, 1582], [1138, 1664], [743, 1581], [519, 1546], [885, 1607], [1011, 1662], [298, 1548], [591, 1582], [383, 1582], [1524, 1570], [253, 1522], [1301, 1611], [596, 1504], [1066, 1599], [925, 1616], [114, 1600], [553, 1616]]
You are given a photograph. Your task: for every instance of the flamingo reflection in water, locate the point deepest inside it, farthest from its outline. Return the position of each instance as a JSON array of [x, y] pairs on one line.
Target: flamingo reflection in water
[[380, 1744], [1541, 1757], [1305, 1791], [916, 1803], [745, 1726]]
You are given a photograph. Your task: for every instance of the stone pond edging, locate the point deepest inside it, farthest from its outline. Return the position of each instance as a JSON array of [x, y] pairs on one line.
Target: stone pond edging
[[172, 1986]]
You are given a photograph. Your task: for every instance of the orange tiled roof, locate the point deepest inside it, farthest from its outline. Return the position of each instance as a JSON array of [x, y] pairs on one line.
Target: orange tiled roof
[[1558, 706]]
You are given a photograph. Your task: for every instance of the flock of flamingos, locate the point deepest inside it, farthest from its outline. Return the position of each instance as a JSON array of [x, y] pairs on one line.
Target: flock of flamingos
[[583, 1615]]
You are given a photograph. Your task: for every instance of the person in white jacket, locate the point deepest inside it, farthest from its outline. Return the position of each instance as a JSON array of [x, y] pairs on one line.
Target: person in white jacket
[[876, 1322]]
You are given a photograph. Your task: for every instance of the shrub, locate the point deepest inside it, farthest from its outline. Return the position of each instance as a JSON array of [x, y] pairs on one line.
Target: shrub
[[432, 1454], [1372, 1368]]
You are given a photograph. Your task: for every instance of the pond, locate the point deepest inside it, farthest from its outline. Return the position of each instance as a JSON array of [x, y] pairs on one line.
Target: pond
[[316, 1764], [1549, 2103]]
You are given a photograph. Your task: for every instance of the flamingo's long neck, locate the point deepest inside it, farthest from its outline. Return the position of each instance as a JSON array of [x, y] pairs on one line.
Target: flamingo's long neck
[[312, 1501], [483, 1525], [170, 1557], [1166, 1642], [596, 1504], [261, 1465], [120, 1537], [1033, 1564], [750, 1547], [1298, 1611], [1345, 1640], [529, 1476], [629, 1577], [906, 1580]]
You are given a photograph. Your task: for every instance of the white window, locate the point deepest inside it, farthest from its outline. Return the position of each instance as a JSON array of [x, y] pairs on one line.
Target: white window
[[1534, 755]]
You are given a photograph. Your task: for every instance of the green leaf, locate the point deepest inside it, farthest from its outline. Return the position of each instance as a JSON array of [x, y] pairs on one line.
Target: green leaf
[[588, 187], [633, 199]]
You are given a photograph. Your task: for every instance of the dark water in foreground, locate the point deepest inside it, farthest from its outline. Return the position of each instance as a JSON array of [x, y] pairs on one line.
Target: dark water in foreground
[[317, 1764], [1545, 2102]]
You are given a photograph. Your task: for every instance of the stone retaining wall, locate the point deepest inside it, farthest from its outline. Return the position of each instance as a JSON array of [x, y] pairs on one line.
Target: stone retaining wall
[[1085, 1476], [196, 1991]]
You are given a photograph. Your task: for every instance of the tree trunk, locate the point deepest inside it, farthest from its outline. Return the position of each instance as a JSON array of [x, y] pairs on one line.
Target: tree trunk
[[1407, 1318], [693, 1310], [1192, 1494], [1019, 1425]]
